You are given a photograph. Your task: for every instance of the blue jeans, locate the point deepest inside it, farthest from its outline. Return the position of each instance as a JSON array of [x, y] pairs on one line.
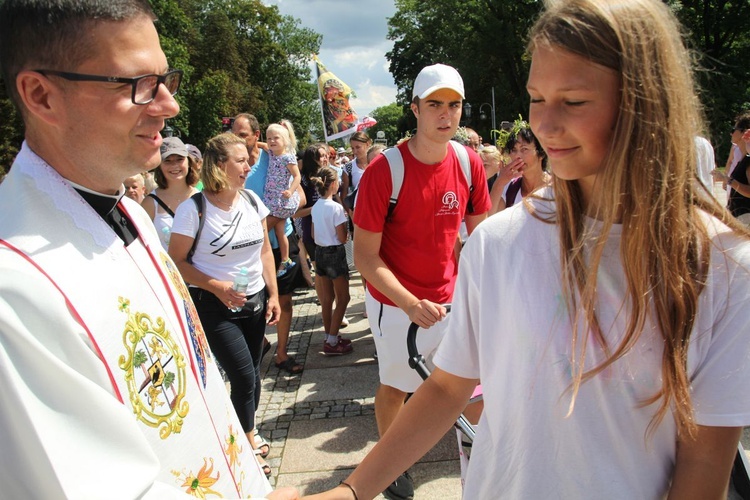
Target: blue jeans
[[237, 344]]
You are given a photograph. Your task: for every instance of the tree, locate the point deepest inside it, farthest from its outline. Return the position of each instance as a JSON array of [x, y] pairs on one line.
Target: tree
[[487, 44], [717, 31], [237, 55], [265, 58], [11, 131], [388, 120]]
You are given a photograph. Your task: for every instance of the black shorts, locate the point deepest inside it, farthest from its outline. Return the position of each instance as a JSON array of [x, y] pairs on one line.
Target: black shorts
[[330, 262], [293, 277]]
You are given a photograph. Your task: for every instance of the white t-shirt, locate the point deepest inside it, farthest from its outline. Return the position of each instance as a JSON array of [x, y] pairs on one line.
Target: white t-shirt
[[229, 241], [162, 223], [705, 161], [326, 215], [510, 328], [356, 174]]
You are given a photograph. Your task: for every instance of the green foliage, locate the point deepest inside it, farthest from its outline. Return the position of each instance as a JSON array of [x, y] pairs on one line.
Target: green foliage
[[718, 32], [239, 56], [139, 357], [168, 379], [11, 131], [486, 41], [210, 100], [388, 122]]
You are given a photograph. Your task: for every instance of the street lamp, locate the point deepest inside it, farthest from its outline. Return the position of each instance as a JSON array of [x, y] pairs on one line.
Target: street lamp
[[483, 115], [467, 111]]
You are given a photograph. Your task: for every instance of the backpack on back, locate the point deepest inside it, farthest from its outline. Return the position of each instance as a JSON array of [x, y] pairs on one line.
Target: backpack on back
[[396, 164]]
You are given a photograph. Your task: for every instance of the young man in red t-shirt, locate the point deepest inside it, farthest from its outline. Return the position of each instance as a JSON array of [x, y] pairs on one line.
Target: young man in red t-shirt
[[409, 260]]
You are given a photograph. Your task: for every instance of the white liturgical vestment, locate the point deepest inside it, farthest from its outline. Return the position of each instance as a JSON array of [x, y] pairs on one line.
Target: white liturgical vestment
[[107, 386]]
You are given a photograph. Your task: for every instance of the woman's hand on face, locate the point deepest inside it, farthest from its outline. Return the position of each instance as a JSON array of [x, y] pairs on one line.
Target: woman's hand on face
[[228, 296], [510, 171]]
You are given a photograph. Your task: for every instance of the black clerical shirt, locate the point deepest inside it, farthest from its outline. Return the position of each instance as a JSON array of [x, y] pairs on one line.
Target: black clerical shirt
[[109, 209]]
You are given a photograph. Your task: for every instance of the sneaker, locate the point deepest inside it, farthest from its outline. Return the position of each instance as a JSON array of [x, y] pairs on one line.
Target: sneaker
[[344, 322], [400, 489], [342, 340], [338, 349]]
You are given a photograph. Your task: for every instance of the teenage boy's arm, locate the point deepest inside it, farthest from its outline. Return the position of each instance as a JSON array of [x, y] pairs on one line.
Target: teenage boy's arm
[[472, 221], [373, 269]]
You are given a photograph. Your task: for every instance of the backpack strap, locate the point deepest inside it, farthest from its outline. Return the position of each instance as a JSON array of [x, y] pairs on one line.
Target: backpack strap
[[250, 199], [200, 205], [396, 164], [513, 188], [463, 158], [161, 203]]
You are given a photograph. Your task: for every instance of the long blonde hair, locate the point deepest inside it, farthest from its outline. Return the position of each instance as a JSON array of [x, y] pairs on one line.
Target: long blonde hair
[[648, 182]]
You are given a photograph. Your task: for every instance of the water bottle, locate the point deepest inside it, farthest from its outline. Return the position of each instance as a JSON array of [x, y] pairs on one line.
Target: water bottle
[[240, 285], [165, 231]]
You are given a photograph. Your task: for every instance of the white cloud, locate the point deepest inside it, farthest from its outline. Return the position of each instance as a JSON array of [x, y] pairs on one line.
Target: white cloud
[[371, 97], [354, 44]]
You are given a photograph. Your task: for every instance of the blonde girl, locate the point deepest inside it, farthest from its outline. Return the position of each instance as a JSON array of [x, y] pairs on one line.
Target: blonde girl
[[607, 315], [280, 194], [492, 159]]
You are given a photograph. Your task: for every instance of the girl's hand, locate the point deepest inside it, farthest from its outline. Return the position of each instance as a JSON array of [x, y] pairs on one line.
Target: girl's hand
[[286, 194]]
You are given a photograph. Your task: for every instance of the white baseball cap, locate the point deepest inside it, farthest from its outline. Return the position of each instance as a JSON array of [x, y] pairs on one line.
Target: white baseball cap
[[435, 77]]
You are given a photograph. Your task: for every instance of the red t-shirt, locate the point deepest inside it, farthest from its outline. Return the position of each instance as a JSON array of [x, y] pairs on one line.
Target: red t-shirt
[[417, 243]]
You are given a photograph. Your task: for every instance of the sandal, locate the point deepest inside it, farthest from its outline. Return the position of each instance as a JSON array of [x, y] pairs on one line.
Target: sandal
[[261, 443], [264, 466], [290, 366]]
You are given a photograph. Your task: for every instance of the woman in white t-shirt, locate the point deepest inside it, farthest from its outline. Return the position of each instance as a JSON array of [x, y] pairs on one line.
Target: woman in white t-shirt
[[606, 316], [360, 142], [329, 228], [213, 241], [175, 180]]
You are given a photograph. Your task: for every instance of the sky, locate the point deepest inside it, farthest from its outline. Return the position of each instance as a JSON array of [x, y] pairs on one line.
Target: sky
[[354, 44]]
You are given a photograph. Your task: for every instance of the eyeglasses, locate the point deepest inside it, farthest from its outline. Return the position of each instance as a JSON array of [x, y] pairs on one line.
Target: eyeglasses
[[144, 87]]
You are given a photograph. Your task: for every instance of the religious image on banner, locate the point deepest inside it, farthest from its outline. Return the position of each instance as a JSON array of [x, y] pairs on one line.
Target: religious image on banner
[[339, 119]]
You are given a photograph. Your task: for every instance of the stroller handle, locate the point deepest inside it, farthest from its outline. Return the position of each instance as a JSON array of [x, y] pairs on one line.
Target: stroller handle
[[416, 362], [415, 358], [411, 336]]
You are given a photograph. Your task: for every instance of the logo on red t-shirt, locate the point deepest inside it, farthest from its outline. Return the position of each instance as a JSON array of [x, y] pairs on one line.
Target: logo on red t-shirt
[[450, 204]]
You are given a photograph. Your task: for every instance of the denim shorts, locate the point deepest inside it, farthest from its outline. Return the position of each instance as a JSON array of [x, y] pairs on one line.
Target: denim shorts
[[330, 262]]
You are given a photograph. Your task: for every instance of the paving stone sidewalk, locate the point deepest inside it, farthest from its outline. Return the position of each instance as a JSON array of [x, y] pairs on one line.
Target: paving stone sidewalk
[[321, 424]]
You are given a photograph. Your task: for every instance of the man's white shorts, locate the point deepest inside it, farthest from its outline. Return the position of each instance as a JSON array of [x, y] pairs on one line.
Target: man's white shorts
[[389, 326]]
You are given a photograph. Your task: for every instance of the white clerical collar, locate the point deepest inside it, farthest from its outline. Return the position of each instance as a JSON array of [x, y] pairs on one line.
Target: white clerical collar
[[120, 191]]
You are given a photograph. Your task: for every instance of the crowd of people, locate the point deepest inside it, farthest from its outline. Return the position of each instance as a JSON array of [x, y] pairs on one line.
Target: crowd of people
[[595, 283]]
